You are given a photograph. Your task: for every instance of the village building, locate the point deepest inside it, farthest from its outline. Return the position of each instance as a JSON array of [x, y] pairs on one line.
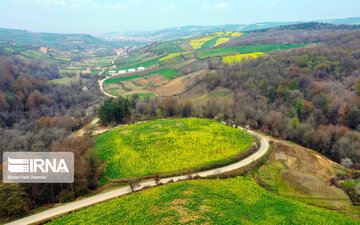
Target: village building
[[43, 50], [140, 68]]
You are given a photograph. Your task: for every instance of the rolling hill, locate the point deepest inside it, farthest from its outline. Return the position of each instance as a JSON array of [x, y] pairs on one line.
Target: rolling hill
[[52, 40], [184, 31]]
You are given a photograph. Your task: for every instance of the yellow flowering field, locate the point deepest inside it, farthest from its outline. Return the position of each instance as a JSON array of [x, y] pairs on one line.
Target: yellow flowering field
[[238, 58], [236, 34], [237, 200], [173, 55], [222, 41], [168, 146], [197, 43]]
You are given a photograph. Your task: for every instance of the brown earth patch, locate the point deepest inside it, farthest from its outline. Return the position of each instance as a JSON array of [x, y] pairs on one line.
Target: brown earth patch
[[142, 81], [157, 80], [156, 125], [179, 85], [308, 186], [175, 86], [126, 131], [298, 158]]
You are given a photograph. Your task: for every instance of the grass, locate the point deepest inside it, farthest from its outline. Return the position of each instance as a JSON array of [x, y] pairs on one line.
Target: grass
[[145, 95], [168, 146], [65, 80], [173, 55], [167, 47], [60, 59], [305, 187], [217, 53], [245, 50], [119, 79], [34, 54], [167, 73], [210, 43], [221, 93], [231, 201], [143, 64]]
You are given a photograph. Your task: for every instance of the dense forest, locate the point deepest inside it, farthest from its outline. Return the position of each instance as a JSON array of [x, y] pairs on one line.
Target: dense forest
[[36, 115]]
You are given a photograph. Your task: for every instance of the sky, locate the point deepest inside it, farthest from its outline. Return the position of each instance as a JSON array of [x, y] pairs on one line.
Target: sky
[[102, 16]]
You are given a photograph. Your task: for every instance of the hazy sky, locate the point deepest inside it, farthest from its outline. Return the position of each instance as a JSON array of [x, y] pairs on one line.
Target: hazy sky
[[98, 16]]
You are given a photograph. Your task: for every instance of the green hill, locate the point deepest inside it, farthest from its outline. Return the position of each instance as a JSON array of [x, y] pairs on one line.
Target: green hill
[[231, 201], [58, 41], [169, 146]]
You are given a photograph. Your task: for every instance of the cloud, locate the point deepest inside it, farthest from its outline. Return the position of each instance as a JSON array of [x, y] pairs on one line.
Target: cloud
[[220, 5]]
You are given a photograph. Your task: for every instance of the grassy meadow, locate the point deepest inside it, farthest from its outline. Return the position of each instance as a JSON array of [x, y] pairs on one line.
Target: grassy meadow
[[245, 50], [231, 201], [168, 146], [166, 72]]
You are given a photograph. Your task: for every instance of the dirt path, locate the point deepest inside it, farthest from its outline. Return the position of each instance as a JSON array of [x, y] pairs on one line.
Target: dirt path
[[61, 210]]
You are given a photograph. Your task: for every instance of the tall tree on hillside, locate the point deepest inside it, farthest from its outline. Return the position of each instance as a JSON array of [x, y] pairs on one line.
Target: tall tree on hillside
[[188, 108], [115, 111]]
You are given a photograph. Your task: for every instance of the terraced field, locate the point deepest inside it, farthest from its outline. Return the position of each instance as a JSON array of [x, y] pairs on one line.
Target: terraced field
[[232, 201], [238, 58], [168, 146], [245, 50]]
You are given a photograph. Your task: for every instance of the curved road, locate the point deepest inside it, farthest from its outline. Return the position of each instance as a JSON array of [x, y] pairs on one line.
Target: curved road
[[102, 88], [126, 190]]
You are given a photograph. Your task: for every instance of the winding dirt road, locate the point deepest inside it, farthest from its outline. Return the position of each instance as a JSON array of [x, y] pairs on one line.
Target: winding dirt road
[[102, 88], [57, 211]]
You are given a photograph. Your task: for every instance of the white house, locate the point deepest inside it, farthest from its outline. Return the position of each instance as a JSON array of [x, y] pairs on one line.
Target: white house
[[122, 72], [140, 68], [112, 73], [132, 70]]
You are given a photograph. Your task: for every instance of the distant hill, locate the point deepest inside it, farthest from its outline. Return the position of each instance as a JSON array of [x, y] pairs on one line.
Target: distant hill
[[176, 32], [350, 21], [58, 41]]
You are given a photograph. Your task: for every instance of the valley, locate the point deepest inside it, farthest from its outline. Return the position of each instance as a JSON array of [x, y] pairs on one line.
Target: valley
[[230, 124]]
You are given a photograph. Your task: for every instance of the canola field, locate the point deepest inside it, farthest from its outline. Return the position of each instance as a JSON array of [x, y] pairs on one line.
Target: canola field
[[173, 55], [238, 58], [197, 43], [168, 146], [231, 201], [221, 41]]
